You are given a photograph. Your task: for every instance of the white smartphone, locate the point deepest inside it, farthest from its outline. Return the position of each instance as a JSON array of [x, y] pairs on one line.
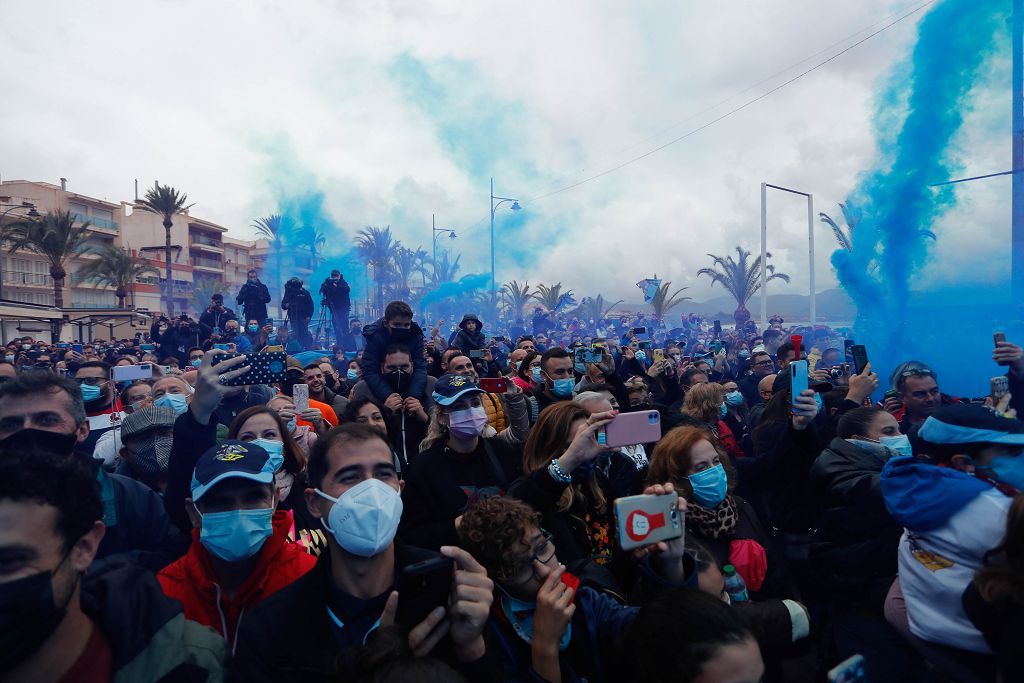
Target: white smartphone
[[300, 397], [129, 373], [642, 520]]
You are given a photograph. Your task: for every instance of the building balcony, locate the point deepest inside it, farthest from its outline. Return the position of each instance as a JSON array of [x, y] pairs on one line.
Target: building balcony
[[100, 223], [207, 243], [207, 263], [17, 277]]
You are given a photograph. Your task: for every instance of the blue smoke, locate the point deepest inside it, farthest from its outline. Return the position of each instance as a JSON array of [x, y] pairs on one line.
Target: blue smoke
[[463, 287], [917, 114]]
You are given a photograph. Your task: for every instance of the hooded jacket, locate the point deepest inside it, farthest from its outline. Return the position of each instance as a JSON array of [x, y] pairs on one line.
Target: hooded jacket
[[470, 341], [952, 519], [192, 582], [378, 338]]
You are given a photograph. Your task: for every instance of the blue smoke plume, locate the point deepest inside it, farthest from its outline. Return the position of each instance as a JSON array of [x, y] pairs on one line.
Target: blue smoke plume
[[463, 287], [917, 115]]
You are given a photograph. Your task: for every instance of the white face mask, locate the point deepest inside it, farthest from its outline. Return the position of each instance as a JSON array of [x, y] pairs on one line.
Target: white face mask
[[365, 518]]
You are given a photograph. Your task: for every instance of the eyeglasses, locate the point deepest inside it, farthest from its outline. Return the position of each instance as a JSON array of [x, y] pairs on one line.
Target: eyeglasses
[[542, 552], [763, 364], [91, 381]]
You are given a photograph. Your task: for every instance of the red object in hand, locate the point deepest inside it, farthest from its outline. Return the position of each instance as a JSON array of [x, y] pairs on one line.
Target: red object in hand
[[572, 582], [797, 340]]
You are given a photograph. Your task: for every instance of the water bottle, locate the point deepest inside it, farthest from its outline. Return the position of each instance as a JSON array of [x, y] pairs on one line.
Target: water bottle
[[734, 585]]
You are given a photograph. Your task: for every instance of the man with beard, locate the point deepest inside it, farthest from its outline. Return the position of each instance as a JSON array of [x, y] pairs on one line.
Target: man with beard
[[313, 375]]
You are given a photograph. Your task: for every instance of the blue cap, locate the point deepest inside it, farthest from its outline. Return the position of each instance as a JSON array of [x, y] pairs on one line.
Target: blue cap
[[449, 388], [232, 459], [970, 423]]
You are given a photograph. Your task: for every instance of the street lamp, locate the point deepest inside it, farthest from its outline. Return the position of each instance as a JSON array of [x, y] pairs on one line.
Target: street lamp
[[494, 207], [764, 248], [435, 230], [32, 213]]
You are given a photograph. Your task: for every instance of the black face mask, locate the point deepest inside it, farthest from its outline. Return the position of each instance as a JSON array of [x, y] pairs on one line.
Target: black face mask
[[329, 382], [28, 617], [51, 442], [397, 380], [400, 335]]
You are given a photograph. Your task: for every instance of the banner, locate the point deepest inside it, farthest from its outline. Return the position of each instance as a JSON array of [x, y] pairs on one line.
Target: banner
[[649, 286]]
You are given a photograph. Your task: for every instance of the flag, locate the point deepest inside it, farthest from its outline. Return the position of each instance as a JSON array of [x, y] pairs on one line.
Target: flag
[[565, 302], [649, 286]]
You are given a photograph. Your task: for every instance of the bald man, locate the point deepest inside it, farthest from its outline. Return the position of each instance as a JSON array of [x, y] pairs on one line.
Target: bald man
[[764, 392]]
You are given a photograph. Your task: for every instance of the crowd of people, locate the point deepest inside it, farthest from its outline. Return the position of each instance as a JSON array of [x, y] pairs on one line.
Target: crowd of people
[[440, 503]]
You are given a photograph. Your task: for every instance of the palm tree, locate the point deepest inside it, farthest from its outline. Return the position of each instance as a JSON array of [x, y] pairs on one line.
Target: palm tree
[[273, 228], [406, 263], [741, 278], [516, 296], [55, 238], [311, 238], [165, 201], [844, 236], [662, 303], [445, 270], [594, 309], [118, 268], [377, 247], [551, 297], [203, 289]]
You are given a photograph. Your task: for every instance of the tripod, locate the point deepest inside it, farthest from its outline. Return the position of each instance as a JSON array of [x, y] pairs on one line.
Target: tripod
[[323, 321]]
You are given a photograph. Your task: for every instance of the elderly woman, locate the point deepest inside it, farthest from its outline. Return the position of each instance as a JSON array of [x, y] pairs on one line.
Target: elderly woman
[[705, 404]]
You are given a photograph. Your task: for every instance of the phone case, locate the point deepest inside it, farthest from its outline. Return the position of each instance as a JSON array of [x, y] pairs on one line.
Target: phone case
[[860, 357], [494, 385], [798, 375], [300, 396], [642, 520], [266, 368], [1000, 386], [423, 586], [627, 429]]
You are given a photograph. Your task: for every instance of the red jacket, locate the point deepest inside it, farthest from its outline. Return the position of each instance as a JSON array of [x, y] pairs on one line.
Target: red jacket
[[191, 580]]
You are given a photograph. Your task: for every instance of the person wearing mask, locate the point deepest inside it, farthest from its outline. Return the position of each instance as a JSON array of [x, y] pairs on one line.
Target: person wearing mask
[[233, 335], [761, 366], [332, 380], [43, 410], [240, 551], [253, 297], [172, 392], [705, 407], [600, 400], [100, 397], [470, 336], [352, 373], [396, 327], [146, 437], [456, 465], [507, 413], [556, 378], [311, 629], [334, 293], [134, 396], [540, 628], [355, 330], [283, 338], [858, 539], [195, 358], [217, 314], [514, 359], [527, 375], [313, 376], [180, 335], [299, 306], [953, 507], [68, 618], [735, 410]]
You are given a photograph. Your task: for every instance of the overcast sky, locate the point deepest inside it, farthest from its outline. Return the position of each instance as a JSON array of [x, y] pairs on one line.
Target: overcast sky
[[397, 110]]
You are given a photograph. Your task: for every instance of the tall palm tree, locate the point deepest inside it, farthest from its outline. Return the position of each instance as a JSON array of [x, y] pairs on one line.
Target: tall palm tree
[[445, 269], [203, 289], [551, 297], [516, 296], [844, 235], [311, 238], [166, 201], [55, 238], [118, 268], [273, 228], [405, 262], [594, 308], [741, 278], [378, 247], [662, 303]]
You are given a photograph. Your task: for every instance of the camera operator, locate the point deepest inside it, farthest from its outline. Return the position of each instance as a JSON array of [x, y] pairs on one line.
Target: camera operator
[[177, 336], [299, 305], [334, 293], [217, 314], [253, 297]]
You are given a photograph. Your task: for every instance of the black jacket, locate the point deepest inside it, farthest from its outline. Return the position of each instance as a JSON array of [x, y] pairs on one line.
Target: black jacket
[[298, 303], [253, 297], [470, 341], [215, 319], [857, 537], [336, 294], [176, 341], [378, 338]]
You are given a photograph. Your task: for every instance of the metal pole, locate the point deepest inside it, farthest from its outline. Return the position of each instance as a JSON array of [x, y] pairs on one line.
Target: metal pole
[[492, 245], [810, 248], [764, 256], [433, 238], [1017, 210]]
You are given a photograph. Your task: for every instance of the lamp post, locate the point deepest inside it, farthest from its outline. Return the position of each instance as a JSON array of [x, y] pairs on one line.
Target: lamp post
[[764, 249], [32, 213], [494, 207], [435, 230]]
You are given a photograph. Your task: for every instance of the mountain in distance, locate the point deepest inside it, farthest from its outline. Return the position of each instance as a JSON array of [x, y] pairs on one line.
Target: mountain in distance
[[832, 304]]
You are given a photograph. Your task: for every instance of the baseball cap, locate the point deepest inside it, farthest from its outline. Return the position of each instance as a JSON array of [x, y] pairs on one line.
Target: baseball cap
[[970, 423], [232, 459], [450, 388], [145, 419]]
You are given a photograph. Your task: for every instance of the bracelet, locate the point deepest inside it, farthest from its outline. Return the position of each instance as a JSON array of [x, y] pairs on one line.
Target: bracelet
[[557, 473]]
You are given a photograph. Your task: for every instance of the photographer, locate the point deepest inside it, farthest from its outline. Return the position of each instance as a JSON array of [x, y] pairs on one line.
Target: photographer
[[216, 314], [253, 297], [178, 336], [299, 305], [334, 293]]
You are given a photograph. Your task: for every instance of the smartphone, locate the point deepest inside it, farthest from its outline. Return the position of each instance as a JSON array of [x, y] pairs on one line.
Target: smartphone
[[892, 393], [628, 429], [222, 347], [860, 357], [477, 353], [797, 341], [300, 397], [718, 329], [130, 373], [494, 385], [798, 376], [848, 350], [144, 347], [850, 670], [645, 346], [659, 355], [422, 587], [265, 368], [999, 336], [77, 348], [639, 330], [1000, 387], [642, 520]]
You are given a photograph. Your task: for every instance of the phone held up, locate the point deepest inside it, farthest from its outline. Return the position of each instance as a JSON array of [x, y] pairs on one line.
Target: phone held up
[[494, 385], [628, 429], [422, 587], [798, 378], [643, 520]]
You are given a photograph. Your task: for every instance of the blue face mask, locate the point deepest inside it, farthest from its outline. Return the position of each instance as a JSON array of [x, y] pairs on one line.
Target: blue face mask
[[563, 387], [196, 362], [744, 354], [90, 392], [900, 444], [535, 375], [254, 328], [725, 409], [1009, 469], [580, 368], [236, 535], [734, 398], [710, 486], [275, 449], [176, 402], [641, 356], [352, 375]]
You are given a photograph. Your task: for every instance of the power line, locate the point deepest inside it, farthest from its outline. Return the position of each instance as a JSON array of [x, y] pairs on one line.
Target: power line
[[735, 110]]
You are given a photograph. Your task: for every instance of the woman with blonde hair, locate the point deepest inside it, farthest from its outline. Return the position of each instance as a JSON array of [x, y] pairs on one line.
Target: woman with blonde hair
[[705, 404], [723, 522], [566, 479]]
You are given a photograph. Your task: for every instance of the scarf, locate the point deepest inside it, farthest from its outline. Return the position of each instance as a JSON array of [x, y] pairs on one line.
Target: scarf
[[712, 523]]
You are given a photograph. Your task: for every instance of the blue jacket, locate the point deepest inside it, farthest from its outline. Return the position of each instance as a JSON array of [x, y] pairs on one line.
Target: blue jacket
[[921, 496], [378, 338]]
